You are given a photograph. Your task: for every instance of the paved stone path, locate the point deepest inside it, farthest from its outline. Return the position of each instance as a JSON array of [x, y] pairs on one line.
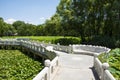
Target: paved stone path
[[75, 67]]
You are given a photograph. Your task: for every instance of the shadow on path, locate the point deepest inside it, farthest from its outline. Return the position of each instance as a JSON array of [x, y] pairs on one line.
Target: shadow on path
[[94, 73]]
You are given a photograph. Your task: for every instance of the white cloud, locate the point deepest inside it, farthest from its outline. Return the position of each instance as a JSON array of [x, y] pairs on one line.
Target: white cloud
[[48, 17], [42, 18], [10, 20]]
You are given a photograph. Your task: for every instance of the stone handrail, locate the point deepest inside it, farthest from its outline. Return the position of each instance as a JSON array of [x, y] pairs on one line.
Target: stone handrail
[[102, 70], [90, 49], [53, 67], [62, 48], [9, 42], [33, 46], [50, 66], [98, 66], [58, 47], [49, 71], [43, 75], [82, 49], [108, 75]]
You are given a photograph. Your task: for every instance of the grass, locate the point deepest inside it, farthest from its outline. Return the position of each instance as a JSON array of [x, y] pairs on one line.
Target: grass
[[14, 65], [39, 38]]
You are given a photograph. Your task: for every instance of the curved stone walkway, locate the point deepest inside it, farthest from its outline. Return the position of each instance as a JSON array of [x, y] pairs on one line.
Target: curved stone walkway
[[75, 67]]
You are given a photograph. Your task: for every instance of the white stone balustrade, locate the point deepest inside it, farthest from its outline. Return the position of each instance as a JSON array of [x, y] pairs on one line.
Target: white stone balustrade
[[50, 66], [59, 47], [102, 70], [9, 42], [84, 49], [98, 66], [108, 75], [34, 46], [53, 67], [42, 75], [89, 49], [49, 71]]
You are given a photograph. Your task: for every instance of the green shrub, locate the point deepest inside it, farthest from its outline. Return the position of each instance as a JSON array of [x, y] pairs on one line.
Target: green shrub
[[110, 42], [15, 65], [67, 41], [117, 43], [114, 62]]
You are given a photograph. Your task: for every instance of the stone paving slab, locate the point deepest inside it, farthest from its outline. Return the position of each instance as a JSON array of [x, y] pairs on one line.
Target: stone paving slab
[[74, 74], [75, 67]]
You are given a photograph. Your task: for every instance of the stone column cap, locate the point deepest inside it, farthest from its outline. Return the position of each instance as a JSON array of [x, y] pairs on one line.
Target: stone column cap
[[105, 65], [47, 63]]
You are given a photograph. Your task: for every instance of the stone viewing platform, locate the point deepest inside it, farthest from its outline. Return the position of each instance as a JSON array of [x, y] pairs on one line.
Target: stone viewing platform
[[67, 63]]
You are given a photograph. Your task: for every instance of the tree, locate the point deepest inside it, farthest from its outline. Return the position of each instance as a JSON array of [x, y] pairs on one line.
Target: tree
[[2, 24], [39, 30], [10, 30], [87, 18], [6, 29], [68, 20], [52, 26]]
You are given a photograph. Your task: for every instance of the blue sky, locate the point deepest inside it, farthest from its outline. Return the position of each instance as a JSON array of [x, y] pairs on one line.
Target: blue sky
[[30, 11]]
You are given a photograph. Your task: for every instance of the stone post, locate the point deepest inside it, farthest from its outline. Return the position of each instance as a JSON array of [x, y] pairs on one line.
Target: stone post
[[47, 64], [33, 46], [58, 44], [39, 48], [70, 49], [105, 66], [95, 56], [30, 44], [43, 43], [49, 43], [43, 50]]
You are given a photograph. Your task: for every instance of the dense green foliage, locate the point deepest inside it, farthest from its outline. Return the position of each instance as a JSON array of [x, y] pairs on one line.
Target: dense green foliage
[[15, 65], [94, 19], [113, 58], [24, 29], [97, 20], [103, 41], [90, 17], [6, 29], [67, 41]]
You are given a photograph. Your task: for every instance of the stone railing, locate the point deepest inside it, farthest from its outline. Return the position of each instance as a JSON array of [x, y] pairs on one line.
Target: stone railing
[[34, 46], [89, 49], [50, 66], [49, 71], [9, 42], [102, 70], [62, 48], [58, 47], [81, 49]]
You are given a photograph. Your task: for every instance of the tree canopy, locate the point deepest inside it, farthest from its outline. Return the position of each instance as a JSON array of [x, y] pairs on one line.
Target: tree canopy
[[6, 29], [90, 17], [82, 18]]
